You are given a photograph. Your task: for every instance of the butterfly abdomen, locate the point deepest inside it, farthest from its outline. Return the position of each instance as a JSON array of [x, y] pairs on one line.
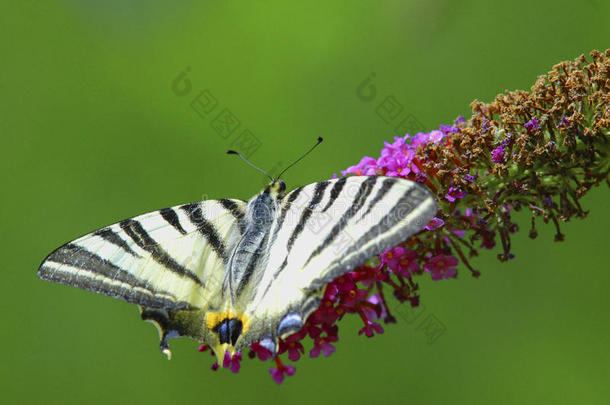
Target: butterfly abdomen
[[249, 251]]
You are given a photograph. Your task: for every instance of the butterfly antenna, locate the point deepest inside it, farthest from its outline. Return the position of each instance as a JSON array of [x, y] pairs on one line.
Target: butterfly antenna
[[299, 159], [232, 152]]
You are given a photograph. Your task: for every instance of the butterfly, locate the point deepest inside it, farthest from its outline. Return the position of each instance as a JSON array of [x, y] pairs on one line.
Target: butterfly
[[230, 272]]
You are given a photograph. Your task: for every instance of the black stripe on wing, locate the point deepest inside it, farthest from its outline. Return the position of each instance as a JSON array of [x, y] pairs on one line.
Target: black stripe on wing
[[412, 198], [236, 211], [365, 189], [334, 192], [170, 216], [110, 236], [285, 206], [317, 197], [363, 193], [80, 258], [206, 229], [141, 238], [385, 188]]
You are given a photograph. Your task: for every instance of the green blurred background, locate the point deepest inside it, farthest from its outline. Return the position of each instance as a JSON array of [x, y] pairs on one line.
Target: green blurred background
[[92, 133]]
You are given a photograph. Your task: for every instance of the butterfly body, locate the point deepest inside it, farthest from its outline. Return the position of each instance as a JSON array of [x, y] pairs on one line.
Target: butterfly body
[[229, 273]]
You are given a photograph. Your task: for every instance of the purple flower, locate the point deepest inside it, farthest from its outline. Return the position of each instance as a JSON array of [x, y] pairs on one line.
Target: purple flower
[[399, 261], [399, 146], [370, 328], [564, 123], [232, 361], [323, 346], [378, 302], [470, 178], [435, 223], [449, 129], [441, 266], [260, 351], [323, 343], [366, 167], [397, 165], [454, 193], [436, 136], [497, 154], [533, 125], [293, 347], [278, 373]]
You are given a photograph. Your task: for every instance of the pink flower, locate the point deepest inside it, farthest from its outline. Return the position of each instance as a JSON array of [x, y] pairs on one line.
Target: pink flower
[[257, 350], [533, 125], [366, 167], [399, 146], [423, 138], [441, 266], [293, 346], [400, 261], [396, 165], [370, 328], [454, 193], [391, 257], [378, 311], [278, 373], [435, 223], [324, 346], [232, 361], [497, 154], [322, 343]]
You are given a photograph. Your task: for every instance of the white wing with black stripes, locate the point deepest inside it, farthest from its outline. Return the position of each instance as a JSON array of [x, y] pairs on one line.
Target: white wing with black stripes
[[174, 258], [228, 272], [325, 229]]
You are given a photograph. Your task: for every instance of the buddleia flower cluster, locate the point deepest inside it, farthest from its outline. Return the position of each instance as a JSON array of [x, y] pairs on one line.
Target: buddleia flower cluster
[[540, 151]]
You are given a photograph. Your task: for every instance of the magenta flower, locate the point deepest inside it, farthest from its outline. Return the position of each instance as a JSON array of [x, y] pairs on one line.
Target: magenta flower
[[470, 178], [422, 138], [497, 154], [369, 329], [454, 193], [278, 373], [232, 362], [441, 266], [400, 261], [366, 167], [323, 339], [256, 350], [324, 346], [391, 257], [399, 146], [434, 224], [533, 125], [293, 346]]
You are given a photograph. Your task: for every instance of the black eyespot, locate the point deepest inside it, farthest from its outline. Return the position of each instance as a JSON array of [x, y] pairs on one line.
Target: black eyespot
[[228, 330]]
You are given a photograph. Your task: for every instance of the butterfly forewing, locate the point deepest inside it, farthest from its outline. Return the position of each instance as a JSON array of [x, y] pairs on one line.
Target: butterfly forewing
[[324, 230], [172, 258]]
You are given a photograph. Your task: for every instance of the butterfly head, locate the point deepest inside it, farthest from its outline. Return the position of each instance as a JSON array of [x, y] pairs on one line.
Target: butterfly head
[[277, 188]]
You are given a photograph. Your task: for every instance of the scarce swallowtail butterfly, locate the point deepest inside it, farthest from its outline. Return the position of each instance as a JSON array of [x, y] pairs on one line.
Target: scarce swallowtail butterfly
[[229, 272]]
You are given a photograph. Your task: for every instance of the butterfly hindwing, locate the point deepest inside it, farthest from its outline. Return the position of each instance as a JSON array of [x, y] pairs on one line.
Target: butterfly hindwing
[[325, 229], [171, 259]]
